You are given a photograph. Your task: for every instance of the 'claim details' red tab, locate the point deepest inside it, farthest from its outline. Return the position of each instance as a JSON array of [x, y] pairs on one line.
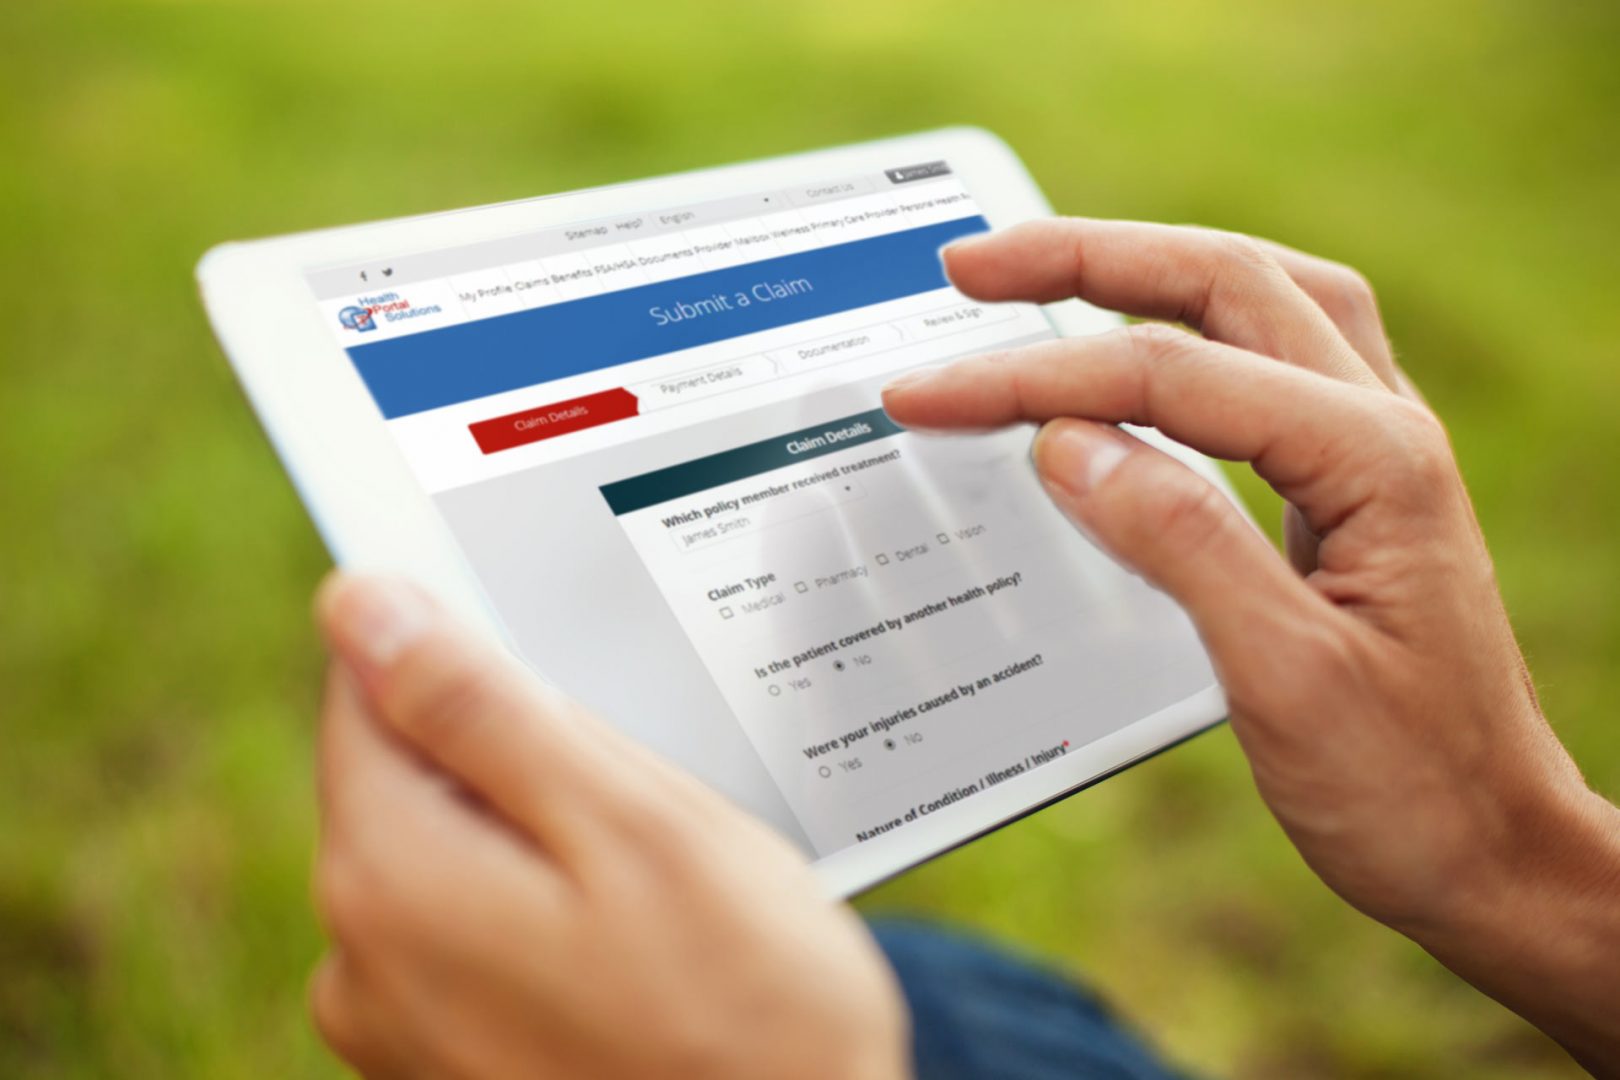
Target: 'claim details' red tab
[[549, 421]]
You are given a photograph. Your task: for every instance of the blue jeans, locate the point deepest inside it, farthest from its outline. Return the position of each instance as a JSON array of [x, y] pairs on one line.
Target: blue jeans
[[977, 1012]]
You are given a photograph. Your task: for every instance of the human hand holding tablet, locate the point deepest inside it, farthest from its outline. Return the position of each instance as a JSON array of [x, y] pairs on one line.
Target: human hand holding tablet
[[1376, 686], [591, 911]]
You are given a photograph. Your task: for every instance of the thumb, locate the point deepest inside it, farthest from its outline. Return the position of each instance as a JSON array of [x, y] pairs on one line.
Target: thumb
[[468, 708], [1176, 529]]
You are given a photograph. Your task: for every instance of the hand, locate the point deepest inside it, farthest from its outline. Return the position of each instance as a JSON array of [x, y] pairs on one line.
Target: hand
[[1373, 679], [515, 889]]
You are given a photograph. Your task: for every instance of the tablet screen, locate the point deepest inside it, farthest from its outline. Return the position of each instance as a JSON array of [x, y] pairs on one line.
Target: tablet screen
[[657, 439]]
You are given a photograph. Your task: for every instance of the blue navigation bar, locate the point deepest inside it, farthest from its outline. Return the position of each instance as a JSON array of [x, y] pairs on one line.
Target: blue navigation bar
[[435, 368]]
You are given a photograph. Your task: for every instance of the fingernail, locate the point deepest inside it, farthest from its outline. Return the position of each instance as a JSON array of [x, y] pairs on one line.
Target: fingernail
[[910, 379], [374, 621], [962, 243], [1075, 458]]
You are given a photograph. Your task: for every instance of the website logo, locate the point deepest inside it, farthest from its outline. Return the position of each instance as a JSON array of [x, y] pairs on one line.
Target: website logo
[[357, 318], [390, 307]]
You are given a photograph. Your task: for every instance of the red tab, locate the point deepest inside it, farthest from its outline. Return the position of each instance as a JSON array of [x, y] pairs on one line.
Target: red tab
[[549, 421]]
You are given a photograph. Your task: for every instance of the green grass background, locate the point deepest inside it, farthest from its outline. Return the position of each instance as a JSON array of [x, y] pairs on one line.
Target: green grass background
[[157, 668]]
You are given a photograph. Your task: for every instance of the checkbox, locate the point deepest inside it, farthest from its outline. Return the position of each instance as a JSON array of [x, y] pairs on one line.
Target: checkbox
[[942, 538], [774, 690], [801, 586], [726, 613], [883, 560]]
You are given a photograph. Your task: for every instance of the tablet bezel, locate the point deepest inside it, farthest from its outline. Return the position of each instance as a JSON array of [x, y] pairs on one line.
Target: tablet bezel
[[375, 517]]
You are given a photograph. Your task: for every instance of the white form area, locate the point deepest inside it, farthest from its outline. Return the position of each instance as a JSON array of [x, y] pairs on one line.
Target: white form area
[[897, 624]]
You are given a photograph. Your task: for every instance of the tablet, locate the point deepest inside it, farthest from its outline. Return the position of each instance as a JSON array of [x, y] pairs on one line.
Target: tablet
[[635, 432]]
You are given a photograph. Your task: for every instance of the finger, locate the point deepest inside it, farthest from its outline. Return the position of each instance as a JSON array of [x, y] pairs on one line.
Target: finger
[[472, 711], [369, 787], [1178, 531], [1310, 437], [1224, 285], [1347, 298], [401, 850]]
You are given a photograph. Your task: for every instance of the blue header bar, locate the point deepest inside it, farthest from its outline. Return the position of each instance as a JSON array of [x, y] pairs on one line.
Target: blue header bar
[[435, 368]]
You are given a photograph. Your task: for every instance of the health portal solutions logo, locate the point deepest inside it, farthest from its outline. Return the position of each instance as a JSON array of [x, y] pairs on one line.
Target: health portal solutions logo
[[367, 311], [357, 318]]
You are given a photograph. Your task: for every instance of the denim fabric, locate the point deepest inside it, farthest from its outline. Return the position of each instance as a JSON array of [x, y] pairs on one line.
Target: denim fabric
[[978, 1012]]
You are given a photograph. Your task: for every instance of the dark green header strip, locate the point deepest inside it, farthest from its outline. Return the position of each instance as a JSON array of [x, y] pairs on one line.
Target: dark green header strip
[[700, 474]]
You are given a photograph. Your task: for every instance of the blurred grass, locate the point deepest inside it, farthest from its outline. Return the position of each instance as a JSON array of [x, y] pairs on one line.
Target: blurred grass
[[157, 672]]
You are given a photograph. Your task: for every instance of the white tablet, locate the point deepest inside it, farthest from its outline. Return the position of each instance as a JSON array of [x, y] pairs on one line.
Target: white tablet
[[636, 433]]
